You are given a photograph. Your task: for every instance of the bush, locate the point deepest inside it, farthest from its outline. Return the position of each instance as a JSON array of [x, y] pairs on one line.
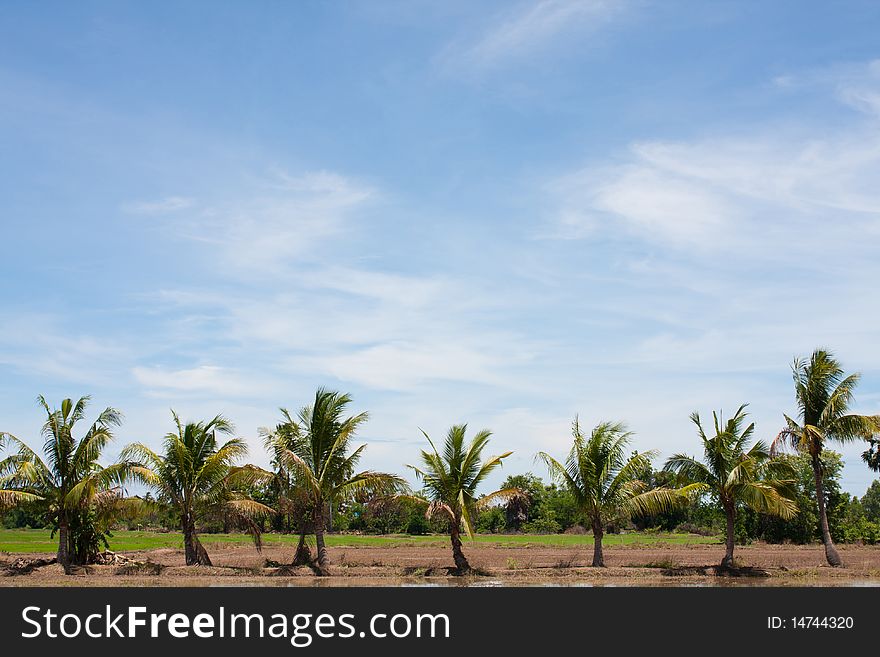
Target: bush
[[418, 525], [491, 521], [542, 526], [861, 531]]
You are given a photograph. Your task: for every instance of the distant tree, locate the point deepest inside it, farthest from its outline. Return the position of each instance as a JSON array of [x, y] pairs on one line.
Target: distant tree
[[451, 480], [558, 506], [490, 521], [871, 501], [604, 482], [824, 395], [517, 510], [70, 485], [736, 474]]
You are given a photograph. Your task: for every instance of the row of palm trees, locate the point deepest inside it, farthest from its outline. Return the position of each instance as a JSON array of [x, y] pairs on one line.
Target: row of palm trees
[[315, 469]]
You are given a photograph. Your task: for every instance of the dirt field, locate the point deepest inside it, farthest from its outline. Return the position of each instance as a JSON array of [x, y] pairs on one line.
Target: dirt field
[[660, 565]]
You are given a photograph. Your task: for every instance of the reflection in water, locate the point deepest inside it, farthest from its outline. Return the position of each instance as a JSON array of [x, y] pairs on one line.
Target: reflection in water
[[493, 583]]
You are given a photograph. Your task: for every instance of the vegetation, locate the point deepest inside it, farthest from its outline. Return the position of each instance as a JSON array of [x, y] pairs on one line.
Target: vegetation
[[604, 483], [198, 487], [451, 480], [195, 475], [824, 395], [38, 540], [311, 451], [70, 487], [736, 474]]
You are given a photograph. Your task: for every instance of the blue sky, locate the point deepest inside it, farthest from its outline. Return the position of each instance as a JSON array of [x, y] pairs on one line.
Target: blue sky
[[499, 213]]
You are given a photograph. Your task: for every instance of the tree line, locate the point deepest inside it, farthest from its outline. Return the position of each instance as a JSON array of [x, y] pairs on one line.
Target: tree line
[[747, 488]]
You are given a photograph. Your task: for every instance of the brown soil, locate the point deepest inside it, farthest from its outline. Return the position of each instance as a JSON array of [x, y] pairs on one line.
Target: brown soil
[[661, 565]]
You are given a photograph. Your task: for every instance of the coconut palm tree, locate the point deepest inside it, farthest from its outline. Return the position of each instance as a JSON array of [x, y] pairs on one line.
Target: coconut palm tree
[[70, 481], [871, 456], [313, 447], [451, 480], [604, 482], [824, 394], [195, 474], [735, 473]]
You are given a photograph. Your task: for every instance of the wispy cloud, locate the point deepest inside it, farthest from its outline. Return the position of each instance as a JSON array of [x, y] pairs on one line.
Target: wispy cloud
[[262, 227], [160, 206], [280, 221], [526, 29], [378, 330], [718, 193], [646, 200], [855, 84], [201, 380], [43, 345]]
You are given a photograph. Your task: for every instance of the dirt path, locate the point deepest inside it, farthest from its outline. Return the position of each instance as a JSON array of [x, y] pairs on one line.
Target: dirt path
[[657, 565]]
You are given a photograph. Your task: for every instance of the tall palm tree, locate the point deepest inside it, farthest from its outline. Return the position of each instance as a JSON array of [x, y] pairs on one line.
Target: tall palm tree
[[604, 482], [70, 481], [824, 394], [451, 480], [313, 447], [196, 474], [736, 473]]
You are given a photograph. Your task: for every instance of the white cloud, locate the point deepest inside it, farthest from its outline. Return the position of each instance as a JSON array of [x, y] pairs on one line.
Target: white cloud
[[279, 223], [861, 89], [201, 380], [528, 28], [855, 84], [406, 365], [649, 200], [162, 206], [766, 193], [379, 330], [40, 344]]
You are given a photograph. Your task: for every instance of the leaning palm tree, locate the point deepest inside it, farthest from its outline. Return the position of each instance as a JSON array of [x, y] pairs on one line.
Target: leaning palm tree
[[69, 482], [605, 483], [313, 449], [824, 394], [195, 474], [735, 473], [451, 480]]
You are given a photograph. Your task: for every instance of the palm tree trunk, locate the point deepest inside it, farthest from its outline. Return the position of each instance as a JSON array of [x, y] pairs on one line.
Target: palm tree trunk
[[302, 556], [63, 543], [195, 553], [831, 554], [598, 531], [461, 563], [323, 557], [730, 512]]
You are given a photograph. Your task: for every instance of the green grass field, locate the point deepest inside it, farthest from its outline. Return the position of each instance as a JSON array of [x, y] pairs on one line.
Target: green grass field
[[38, 540]]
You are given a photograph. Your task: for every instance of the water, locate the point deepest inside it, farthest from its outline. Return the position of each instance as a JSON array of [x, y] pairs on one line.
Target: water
[[722, 582]]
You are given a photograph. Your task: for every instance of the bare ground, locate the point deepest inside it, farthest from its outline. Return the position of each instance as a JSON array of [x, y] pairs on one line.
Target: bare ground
[[656, 565]]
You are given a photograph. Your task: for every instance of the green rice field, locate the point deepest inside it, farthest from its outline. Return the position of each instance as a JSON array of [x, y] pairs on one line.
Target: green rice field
[[39, 540]]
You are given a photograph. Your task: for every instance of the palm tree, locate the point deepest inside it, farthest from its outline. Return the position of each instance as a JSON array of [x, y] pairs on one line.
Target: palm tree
[[194, 474], [313, 447], [824, 394], [736, 473], [70, 481], [604, 482], [871, 456], [451, 480]]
